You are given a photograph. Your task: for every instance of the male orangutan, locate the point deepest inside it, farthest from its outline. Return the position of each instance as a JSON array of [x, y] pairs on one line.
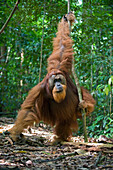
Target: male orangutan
[[55, 99]]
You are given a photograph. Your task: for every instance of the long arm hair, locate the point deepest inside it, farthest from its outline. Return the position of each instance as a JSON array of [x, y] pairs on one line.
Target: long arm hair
[[61, 57]]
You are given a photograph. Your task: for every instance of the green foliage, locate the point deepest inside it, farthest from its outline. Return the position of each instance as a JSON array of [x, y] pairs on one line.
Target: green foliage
[[21, 50], [108, 87], [101, 125]]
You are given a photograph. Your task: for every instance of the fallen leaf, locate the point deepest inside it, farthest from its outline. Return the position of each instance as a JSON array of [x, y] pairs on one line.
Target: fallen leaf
[[29, 162]]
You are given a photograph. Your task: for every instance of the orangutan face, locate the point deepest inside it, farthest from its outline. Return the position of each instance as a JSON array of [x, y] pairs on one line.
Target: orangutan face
[[57, 83]]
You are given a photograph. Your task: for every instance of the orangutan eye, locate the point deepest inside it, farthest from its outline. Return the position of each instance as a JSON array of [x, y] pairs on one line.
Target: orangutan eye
[[57, 80]]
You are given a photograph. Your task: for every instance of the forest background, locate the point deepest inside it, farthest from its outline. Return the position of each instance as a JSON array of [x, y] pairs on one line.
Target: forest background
[[26, 43]]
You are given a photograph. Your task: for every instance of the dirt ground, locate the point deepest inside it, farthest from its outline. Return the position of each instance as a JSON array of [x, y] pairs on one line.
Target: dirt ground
[[37, 151]]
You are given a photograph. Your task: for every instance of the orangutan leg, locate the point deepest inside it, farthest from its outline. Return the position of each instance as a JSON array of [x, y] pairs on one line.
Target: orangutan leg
[[63, 132], [24, 119]]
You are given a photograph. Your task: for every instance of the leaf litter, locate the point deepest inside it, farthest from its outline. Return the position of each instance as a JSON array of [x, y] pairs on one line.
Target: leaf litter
[[37, 151]]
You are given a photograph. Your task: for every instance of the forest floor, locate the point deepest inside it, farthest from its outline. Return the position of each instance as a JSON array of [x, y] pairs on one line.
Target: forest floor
[[37, 152]]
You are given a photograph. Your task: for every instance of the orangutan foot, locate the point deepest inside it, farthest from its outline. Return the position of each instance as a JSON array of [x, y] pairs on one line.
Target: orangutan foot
[[58, 140]]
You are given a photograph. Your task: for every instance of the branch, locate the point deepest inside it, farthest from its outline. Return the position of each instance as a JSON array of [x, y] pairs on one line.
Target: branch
[[68, 9], [7, 21], [58, 158], [80, 99], [42, 46], [68, 6], [79, 89]]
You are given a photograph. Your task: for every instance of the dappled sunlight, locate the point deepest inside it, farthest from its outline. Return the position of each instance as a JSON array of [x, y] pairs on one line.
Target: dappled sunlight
[[38, 151], [5, 127]]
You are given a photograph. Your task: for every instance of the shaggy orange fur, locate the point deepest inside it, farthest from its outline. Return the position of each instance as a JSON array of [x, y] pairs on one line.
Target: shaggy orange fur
[[42, 103]]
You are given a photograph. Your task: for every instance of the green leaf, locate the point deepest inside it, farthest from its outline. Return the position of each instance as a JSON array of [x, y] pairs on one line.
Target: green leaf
[[106, 90], [110, 81]]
